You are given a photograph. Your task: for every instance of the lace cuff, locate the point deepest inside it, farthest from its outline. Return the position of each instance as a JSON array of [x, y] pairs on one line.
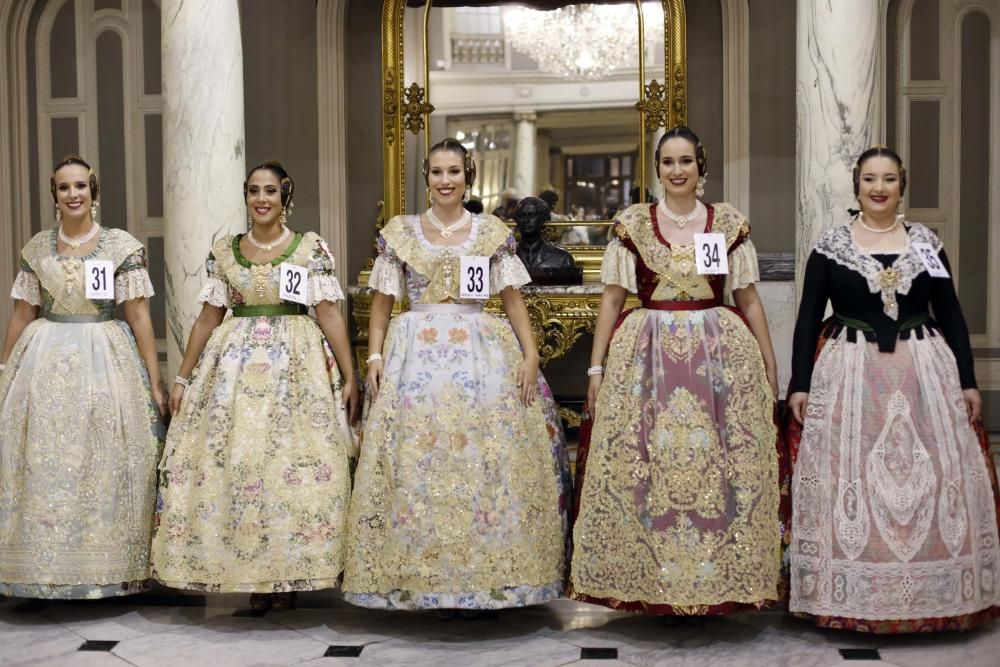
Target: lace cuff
[[507, 271], [27, 288], [215, 293], [324, 287], [618, 266], [743, 270], [387, 277], [133, 284]]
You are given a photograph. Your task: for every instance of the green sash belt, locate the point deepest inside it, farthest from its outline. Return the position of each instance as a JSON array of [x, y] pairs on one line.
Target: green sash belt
[[270, 310], [79, 319], [860, 325]]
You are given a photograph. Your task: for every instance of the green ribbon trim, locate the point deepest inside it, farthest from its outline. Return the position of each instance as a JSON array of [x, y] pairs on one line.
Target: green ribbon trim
[[270, 310], [244, 262]]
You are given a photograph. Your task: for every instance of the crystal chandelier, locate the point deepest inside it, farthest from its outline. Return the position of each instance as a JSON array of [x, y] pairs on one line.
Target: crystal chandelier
[[582, 41]]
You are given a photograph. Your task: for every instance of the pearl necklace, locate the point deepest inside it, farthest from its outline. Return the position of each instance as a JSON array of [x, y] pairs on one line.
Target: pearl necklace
[[447, 230], [876, 230], [680, 220], [78, 241], [268, 247]]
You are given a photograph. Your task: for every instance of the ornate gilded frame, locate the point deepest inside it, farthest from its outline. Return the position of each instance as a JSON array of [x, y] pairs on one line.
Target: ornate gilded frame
[[408, 107]]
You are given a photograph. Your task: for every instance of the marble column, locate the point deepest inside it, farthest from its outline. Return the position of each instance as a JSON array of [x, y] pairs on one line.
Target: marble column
[[839, 100], [525, 149], [203, 149]]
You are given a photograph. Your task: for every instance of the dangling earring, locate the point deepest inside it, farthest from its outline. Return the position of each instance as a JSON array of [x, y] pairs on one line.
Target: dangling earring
[[430, 197], [249, 219], [468, 195], [58, 214], [700, 190], [93, 212], [283, 218]]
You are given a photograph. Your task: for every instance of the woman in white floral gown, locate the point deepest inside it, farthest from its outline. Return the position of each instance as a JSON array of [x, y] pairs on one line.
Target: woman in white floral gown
[[80, 402], [256, 479], [459, 501]]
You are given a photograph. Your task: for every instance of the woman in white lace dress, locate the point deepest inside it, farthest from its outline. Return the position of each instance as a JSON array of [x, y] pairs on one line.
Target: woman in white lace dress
[[256, 478], [894, 504], [80, 405], [459, 500]]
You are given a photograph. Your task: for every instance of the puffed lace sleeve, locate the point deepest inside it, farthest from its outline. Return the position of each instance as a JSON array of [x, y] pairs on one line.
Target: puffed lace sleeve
[[743, 270], [323, 284], [507, 269], [618, 266], [387, 273], [214, 292], [27, 288], [132, 278]]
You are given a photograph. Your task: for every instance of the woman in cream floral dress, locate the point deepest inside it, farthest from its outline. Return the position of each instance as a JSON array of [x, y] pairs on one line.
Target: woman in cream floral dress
[[256, 480], [458, 492], [80, 432]]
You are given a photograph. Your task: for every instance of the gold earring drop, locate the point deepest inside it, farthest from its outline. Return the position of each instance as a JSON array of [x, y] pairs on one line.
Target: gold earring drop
[[283, 218]]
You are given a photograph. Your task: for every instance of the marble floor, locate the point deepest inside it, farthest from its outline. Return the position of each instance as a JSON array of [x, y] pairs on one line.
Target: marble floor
[[221, 631]]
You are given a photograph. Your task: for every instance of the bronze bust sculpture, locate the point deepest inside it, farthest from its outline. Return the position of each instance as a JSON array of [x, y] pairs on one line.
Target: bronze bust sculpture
[[547, 263]]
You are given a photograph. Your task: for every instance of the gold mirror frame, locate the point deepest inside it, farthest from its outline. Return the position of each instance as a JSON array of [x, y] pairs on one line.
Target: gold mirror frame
[[409, 107]]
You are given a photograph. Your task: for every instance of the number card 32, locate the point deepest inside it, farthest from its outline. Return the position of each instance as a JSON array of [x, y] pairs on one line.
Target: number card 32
[[293, 283]]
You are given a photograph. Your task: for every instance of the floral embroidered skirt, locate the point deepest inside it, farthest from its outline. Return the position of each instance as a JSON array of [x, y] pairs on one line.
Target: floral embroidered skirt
[[678, 485], [894, 494], [459, 498], [79, 441], [255, 478]]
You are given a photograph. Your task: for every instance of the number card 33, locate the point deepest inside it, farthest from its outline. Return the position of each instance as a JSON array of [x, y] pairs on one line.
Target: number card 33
[[475, 272]]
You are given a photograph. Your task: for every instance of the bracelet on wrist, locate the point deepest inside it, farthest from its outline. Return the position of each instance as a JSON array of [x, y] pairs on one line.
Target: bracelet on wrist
[[182, 381], [595, 370], [374, 357]]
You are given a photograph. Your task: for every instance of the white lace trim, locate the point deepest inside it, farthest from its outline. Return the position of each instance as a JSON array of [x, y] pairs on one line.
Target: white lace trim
[[324, 287], [838, 245], [507, 271], [27, 288], [214, 292], [743, 269], [618, 266], [133, 284], [387, 277]]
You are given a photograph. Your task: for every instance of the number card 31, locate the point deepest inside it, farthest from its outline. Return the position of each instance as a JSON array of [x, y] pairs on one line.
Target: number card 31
[[100, 279]]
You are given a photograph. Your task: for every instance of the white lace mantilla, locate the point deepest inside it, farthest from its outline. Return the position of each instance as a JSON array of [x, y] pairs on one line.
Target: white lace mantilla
[[838, 244], [214, 292], [133, 284], [27, 288]]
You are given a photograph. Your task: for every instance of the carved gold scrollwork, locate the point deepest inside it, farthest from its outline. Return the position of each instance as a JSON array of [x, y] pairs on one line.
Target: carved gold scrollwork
[[680, 97], [415, 108], [390, 107], [558, 323], [653, 105]]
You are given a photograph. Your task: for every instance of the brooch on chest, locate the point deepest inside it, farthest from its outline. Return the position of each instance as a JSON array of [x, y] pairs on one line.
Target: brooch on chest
[[260, 278]]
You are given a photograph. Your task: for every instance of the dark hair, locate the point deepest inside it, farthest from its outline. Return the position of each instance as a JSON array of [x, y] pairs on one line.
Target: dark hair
[[276, 168], [550, 197], [683, 132], [92, 181], [452, 146], [474, 206], [878, 151]]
